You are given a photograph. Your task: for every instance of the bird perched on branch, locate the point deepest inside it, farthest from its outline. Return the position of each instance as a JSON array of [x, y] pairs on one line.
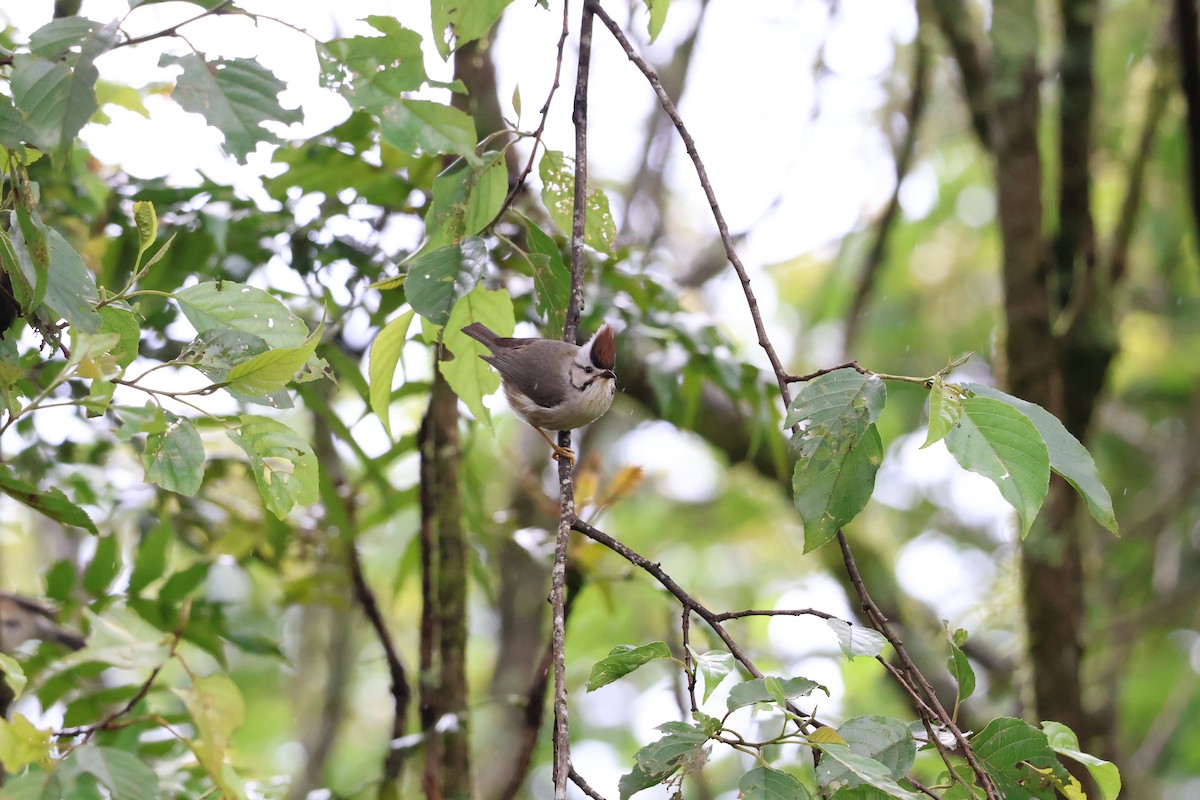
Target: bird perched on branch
[[551, 384], [22, 619]]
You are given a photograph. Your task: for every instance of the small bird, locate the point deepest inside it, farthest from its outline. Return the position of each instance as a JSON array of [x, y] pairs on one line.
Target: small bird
[[22, 619], [552, 384]]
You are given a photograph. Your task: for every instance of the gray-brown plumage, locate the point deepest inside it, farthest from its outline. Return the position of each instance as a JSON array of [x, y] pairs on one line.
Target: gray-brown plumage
[[22, 619], [551, 384]]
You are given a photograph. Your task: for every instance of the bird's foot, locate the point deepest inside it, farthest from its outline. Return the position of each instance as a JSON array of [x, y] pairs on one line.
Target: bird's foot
[[564, 452]]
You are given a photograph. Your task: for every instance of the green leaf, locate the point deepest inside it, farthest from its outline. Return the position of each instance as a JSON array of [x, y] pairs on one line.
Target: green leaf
[[150, 563], [386, 65], [558, 194], [283, 463], [104, 566], [70, 288], [945, 408], [840, 765], [463, 22], [125, 324], [838, 450], [146, 220], [423, 127], [55, 38], [469, 376], [755, 691], [120, 772], [236, 306], [636, 780], [551, 280], [22, 743], [174, 459], [1013, 751], [658, 16], [267, 372], [217, 708], [122, 639], [714, 666], [13, 130], [994, 439], [466, 198], [27, 260], [57, 97], [1068, 457], [235, 96], [857, 640], [883, 739], [437, 280], [14, 676], [622, 660], [959, 666], [1063, 741], [764, 783], [52, 502], [385, 355], [681, 748]]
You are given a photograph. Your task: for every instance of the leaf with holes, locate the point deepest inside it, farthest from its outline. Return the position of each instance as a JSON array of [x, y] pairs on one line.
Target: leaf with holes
[[282, 462], [236, 306], [995, 440], [174, 459], [270, 371], [438, 279], [558, 195], [236, 96], [466, 198]]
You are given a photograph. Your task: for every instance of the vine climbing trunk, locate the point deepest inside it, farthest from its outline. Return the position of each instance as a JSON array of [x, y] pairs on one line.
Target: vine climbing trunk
[[444, 697]]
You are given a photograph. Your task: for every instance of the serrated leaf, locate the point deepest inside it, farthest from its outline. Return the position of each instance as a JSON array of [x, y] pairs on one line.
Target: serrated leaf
[[235, 96], [121, 772], [558, 195], [755, 691], [423, 127], [995, 440], [463, 22], [883, 739], [174, 459], [437, 280], [1063, 741], [236, 306], [70, 288], [636, 780], [385, 355], [282, 462], [622, 660], [271, 371], [551, 280], [838, 450], [466, 198], [1068, 457], [840, 764], [52, 502], [658, 16], [1009, 748], [469, 376], [945, 408], [21, 743], [857, 640], [13, 675], [764, 783], [714, 666], [682, 747]]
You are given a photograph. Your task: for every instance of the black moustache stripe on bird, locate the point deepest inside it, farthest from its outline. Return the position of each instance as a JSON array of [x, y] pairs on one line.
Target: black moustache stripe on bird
[[551, 384]]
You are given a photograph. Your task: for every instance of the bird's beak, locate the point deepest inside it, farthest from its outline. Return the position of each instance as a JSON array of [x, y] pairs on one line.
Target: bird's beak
[[608, 373]]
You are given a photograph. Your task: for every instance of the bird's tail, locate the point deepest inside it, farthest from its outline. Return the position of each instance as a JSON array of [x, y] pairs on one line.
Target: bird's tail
[[483, 334]]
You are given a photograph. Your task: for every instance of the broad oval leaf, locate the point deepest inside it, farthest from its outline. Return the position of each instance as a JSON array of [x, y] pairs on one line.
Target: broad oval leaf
[[236, 306], [1068, 457], [1105, 773], [558, 195], [995, 440], [469, 376], [174, 458], [622, 660], [283, 463], [714, 666], [883, 739], [270, 371], [122, 773], [839, 764], [1008, 748], [857, 640], [764, 783], [466, 198], [756, 691], [436, 280]]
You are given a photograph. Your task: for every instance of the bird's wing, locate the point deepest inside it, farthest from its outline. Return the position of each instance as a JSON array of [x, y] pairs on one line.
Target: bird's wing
[[545, 386]]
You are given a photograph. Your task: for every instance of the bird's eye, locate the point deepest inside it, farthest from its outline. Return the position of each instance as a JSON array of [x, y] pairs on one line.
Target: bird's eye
[[589, 370]]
